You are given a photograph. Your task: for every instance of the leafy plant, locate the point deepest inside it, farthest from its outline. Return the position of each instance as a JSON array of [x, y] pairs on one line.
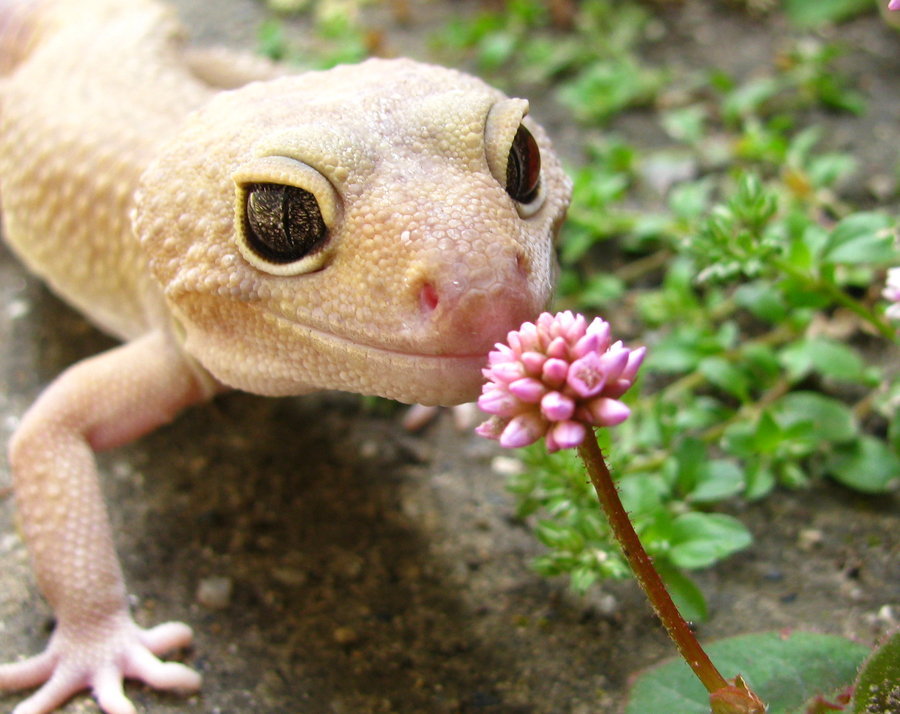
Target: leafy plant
[[748, 270], [337, 34], [786, 670]]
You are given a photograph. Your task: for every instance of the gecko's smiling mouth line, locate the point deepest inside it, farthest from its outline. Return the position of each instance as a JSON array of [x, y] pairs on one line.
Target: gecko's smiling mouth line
[[347, 344]]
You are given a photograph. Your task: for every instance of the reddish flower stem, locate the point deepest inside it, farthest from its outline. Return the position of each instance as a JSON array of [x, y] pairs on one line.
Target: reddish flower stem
[[644, 571]]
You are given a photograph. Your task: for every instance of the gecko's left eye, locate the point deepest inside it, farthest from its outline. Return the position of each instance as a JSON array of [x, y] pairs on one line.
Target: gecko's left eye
[[284, 223], [513, 155], [523, 167]]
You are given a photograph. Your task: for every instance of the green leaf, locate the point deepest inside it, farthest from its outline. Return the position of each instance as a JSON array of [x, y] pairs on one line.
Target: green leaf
[[749, 97], [700, 539], [760, 481], [878, 685], [690, 199], [556, 535], [825, 170], [686, 123], [716, 480], [810, 14], [726, 376], [785, 670], [689, 458], [761, 300], [868, 465], [863, 237], [829, 420], [643, 493], [688, 598], [828, 357], [601, 289]]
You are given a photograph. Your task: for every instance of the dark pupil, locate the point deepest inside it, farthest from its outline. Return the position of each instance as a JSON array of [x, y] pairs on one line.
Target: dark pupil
[[523, 168], [284, 223]]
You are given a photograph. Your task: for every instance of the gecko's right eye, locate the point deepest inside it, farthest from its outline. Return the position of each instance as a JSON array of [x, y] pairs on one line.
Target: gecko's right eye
[[283, 224], [286, 213]]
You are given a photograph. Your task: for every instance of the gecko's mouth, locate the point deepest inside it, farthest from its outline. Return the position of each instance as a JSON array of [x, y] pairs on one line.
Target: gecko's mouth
[[284, 357], [405, 375]]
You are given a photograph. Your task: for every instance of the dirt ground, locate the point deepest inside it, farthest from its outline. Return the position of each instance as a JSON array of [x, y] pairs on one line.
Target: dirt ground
[[373, 570]]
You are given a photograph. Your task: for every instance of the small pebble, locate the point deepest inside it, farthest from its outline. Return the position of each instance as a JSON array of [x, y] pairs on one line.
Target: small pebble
[[215, 592], [506, 466], [345, 635], [809, 538]]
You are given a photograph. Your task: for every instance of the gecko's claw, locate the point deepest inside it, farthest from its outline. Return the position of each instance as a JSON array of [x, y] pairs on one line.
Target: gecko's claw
[[118, 650]]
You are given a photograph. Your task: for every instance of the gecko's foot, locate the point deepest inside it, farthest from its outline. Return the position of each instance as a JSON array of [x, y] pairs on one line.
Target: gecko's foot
[[418, 416], [100, 658]]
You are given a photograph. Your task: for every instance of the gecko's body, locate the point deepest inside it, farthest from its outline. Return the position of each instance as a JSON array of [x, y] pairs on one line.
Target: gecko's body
[[371, 228]]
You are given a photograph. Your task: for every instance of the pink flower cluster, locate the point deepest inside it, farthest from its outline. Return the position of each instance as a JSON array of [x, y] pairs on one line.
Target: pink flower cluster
[[554, 379], [894, 5], [892, 286]]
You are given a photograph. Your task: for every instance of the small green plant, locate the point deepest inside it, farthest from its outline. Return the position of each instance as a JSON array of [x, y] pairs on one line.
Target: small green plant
[[748, 252], [337, 33], [756, 279]]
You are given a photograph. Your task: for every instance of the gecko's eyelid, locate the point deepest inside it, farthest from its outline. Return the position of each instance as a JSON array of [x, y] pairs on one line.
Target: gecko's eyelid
[[282, 224], [513, 155]]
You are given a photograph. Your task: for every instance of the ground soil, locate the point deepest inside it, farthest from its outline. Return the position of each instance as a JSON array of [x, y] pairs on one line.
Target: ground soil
[[374, 570]]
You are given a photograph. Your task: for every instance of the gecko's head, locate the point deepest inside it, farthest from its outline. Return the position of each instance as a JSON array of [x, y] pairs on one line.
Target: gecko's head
[[374, 228]]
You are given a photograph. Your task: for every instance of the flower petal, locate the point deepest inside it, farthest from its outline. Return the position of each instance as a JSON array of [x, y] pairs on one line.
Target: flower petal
[[500, 354], [533, 362], [499, 402], [607, 412], [585, 344], [557, 407], [574, 330], [492, 428], [614, 361], [507, 372], [529, 390], [554, 372], [587, 375], [568, 434], [522, 430], [528, 337], [558, 348], [635, 359]]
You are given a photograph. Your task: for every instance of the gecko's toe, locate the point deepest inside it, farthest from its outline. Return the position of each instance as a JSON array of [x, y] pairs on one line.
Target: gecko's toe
[[167, 637], [109, 693], [57, 690], [143, 665], [27, 673]]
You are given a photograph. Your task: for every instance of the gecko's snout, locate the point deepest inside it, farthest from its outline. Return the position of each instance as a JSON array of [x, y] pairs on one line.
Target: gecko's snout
[[468, 307]]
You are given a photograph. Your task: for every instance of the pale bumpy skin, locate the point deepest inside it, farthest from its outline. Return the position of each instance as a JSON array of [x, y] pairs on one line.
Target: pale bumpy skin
[[125, 172]]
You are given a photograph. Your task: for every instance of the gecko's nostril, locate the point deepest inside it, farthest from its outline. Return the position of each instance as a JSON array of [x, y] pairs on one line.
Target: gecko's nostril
[[522, 265], [428, 297]]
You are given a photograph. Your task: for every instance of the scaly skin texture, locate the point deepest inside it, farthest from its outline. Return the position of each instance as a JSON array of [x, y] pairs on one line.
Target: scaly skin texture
[[126, 181]]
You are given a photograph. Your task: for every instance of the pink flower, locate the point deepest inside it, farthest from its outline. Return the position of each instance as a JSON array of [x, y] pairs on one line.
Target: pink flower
[[894, 5], [555, 378], [892, 286]]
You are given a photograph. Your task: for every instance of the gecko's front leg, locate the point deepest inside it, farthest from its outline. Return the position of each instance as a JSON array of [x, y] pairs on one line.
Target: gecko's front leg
[[97, 404]]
